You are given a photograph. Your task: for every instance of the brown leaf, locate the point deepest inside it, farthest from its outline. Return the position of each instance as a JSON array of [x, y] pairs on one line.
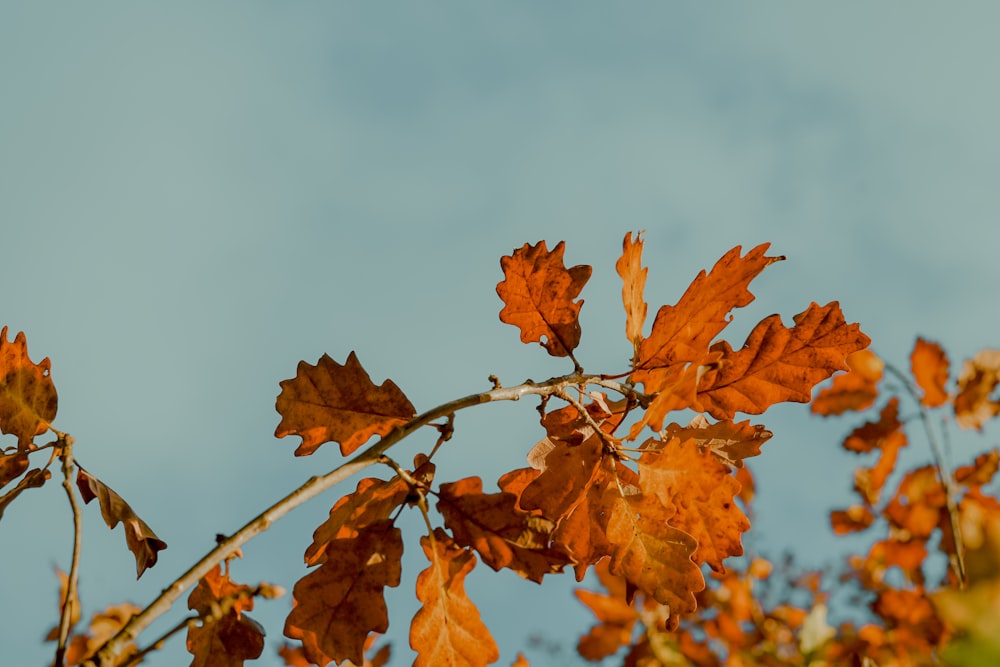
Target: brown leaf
[[701, 490], [929, 365], [230, 640], [851, 520], [32, 479], [12, 466], [333, 403], [633, 274], [566, 472], [447, 629], [981, 471], [869, 481], [730, 442], [855, 390], [979, 377], [103, 626], [582, 533], [502, 534], [681, 334], [538, 292], [779, 364], [615, 616], [28, 399], [140, 538], [338, 604], [651, 554], [871, 435]]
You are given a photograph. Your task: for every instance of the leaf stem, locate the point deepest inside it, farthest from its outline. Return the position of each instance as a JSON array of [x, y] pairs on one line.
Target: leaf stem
[[105, 657], [71, 600]]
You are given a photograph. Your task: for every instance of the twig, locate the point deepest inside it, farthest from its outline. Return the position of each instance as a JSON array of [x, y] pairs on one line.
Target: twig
[[105, 657], [71, 600], [944, 474]]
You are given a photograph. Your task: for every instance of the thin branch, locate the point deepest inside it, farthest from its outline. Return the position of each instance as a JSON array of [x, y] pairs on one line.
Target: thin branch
[[944, 473], [105, 657], [71, 600]]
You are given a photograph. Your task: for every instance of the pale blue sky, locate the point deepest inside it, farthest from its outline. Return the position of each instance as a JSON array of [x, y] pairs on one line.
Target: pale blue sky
[[193, 198]]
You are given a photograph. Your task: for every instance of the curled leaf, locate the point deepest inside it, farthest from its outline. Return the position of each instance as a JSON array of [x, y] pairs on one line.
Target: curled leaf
[[140, 538], [333, 403], [633, 274]]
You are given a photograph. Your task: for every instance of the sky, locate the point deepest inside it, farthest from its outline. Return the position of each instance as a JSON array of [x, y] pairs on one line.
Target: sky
[[194, 197]]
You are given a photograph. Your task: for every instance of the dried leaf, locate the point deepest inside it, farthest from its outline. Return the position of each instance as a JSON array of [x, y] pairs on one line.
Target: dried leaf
[[702, 492], [982, 470], [855, 390], [503, 535], [651, 554], [779, 364], [633, 274], [12, 466], [103, 626], [333, 403], [74, 609], [871, 435], [28, 399], [538, 292], [918, 503], [979, 377], [447, 629], [338, 604], [230, 640], [730, 442], [929, 365], [567, 472], [681, 334], [32, 479], [869, 481], [616, 617], [140, 538], [851, 520]]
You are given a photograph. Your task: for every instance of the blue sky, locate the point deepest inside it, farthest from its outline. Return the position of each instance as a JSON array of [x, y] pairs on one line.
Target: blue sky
[[193, 198]]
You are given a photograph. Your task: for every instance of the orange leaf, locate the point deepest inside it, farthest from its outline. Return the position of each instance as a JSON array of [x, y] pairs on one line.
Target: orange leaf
[[567, 471], [869, 481], [503, 535], [981, 471], [333, 403], [103, 626], [701, 490], [520, 661], [918, 503], [854, 390], [231, 639], [871, 435], [538, 292], [11, 466], [582, 532], [929, 365], [34, 478], [651, 554], [979, 377], [779, 364], [681, 334], [338, 604], [633, 274], [447, 629], [28, 399], [140, 538], [853, 519], [730, 442], [373, 501], [615, 617]]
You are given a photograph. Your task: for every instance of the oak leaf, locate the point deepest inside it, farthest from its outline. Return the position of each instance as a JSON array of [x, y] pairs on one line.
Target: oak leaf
[[871, 435], [918, 504], [140, 538], [779, 364], [979, 377], [856, 389], [503, 535], [234, 637], [869, 481], [633, 274], [339, 603], [615, 616], [651, 554], [682, 334], [333, 403], [582, 533], [730, 442], [702, 492], [538, 292], [447, 629], [28, 399], [929, 365]]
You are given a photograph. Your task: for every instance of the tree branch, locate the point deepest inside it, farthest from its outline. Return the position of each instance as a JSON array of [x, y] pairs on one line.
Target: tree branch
[[105, 657]]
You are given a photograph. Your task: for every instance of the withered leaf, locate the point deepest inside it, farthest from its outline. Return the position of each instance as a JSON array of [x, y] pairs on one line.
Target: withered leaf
[[633, 274], [979, 377], [34, 478], [929, 365], [729, 441], [870, 435], [140, 538], [567, 471], [447, 629], [779, 364], [856, 389], [12, 466], [503, 535], [615, 616], [681, 334], [538, 292], [651, 554], [702, 492], [230, 640], [851, 520], [333, 403], [338, 604], [28, 399]]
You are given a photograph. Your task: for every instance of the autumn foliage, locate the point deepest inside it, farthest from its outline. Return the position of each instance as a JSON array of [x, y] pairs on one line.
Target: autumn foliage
[[654, 508]]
